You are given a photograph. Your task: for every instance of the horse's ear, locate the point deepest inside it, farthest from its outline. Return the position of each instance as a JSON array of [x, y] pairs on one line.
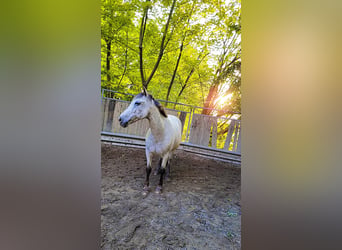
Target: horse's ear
[[144, 91]]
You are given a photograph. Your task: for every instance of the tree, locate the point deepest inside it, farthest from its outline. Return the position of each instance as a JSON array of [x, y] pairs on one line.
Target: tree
[[183, 51], [229, 60], [116, 20]]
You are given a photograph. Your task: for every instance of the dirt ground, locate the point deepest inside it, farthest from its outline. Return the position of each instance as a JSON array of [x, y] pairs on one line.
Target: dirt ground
[[198, 209]]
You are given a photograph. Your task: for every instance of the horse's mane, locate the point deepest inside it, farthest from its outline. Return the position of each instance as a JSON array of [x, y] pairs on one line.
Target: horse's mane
[[160, 107], [156, 103]]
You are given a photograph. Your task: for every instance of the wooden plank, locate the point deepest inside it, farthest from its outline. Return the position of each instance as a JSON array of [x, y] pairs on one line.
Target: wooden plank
[[109, 122], [235, 135], [194, 131], [200, 130], [182, 118], [133, 141], [205, 130], [214, 132], [229, 135], [103, 106], [105, 113], [238, 149], [120, 107], [213, 155]]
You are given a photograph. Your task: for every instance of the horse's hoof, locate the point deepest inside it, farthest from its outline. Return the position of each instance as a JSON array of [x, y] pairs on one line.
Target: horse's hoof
[[158, 190], [146, 189]]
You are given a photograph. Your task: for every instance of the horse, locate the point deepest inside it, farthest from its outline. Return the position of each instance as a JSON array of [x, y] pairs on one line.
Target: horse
[[163, 136]]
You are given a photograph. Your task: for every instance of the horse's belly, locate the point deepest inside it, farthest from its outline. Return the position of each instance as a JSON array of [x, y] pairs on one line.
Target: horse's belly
[[157, 149]]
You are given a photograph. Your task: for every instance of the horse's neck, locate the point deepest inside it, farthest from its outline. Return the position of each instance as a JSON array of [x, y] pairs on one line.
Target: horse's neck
[[157, 123]]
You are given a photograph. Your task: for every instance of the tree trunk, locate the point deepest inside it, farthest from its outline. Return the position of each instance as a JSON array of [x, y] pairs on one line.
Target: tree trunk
[[141, 40], [162, 46], [221, 74], [109, 54], [210, 99], [175, 70]]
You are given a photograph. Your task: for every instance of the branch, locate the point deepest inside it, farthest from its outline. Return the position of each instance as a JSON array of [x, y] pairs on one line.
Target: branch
[[176, 68], [189, 76], [225, 70], [125, 67], [141, 40], [117, 41], [162, 47]]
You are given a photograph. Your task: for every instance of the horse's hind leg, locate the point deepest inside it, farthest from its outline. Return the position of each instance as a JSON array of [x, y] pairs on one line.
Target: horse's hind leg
[[162, 172], [168, 170], [148, 172], [168, 167]]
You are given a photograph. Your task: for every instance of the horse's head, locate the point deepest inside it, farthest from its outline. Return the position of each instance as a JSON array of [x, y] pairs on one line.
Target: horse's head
[[139, 109]]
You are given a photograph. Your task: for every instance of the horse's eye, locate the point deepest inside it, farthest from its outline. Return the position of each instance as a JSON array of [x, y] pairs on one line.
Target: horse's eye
[[137, 103]]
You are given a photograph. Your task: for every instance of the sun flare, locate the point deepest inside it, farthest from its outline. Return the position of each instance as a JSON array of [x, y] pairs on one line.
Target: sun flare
[[222, 100]]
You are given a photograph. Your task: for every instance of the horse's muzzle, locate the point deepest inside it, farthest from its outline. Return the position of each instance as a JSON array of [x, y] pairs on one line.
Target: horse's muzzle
[[122, 123]]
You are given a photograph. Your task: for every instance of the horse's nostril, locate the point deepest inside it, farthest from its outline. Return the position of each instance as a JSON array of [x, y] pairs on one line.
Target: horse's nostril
[[119, 119]]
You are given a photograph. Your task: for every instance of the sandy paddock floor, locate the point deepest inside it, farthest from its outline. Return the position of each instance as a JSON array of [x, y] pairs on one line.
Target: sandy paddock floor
[[198, 209]]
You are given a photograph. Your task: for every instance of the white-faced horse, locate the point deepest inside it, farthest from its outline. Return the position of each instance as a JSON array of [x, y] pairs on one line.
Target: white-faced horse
[[163, 136]]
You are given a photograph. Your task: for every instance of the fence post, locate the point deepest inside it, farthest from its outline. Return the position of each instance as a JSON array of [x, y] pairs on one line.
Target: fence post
[[239, 141], [182, 117], [109, 123], [229, 135], [192, 111], [214, 133]]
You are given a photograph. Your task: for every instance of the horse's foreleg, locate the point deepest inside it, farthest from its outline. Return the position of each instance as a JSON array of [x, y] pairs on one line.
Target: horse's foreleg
[[162, 172], [158, 167], [168, 170], [148, 172], [168, 167]]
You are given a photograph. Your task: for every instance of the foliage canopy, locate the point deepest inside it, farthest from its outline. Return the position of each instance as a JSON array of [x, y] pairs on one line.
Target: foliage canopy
[[182, 51]]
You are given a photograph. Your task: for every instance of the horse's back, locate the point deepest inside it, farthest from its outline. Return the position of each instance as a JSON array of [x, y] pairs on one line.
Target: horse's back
[[176, 126]]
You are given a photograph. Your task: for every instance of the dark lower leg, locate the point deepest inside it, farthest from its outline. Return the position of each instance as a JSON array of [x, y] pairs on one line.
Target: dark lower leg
[[162, 172], [158, 167], [168, 170], [148, 172], [159, 187]]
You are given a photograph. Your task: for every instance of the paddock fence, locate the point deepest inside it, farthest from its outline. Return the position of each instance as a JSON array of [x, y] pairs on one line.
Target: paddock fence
[[211, 136]]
